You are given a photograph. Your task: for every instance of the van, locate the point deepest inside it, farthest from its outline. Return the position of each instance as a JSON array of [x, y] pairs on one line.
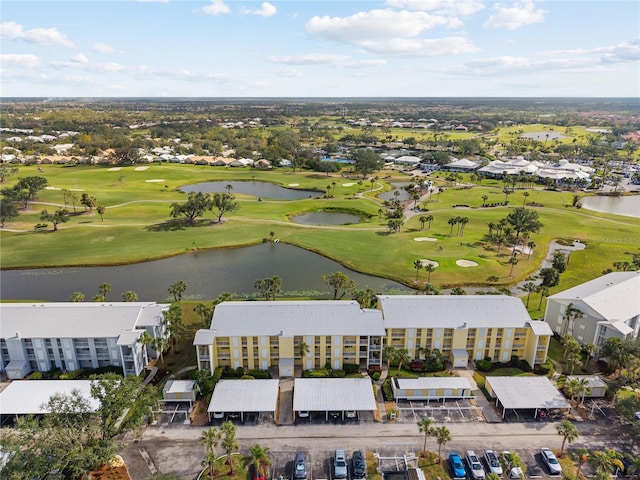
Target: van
[[340, 465]]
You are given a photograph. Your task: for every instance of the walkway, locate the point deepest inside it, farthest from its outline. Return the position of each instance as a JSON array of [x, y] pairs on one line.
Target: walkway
[[488, 409]]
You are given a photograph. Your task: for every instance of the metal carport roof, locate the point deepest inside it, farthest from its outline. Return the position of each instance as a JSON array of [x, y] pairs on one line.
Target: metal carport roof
[[25, 397], [530, 392], [244, 396], [333, 394]]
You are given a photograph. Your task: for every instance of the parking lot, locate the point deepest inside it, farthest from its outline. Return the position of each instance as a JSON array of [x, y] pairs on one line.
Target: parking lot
[[440, 411]]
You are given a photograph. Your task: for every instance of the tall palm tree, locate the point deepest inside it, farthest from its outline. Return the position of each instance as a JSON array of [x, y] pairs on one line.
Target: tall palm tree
[[590, 350], [203, 311], [569, 433], [429, 269], [443, 436], [424, 426], [104, 289], [524, 198], [211, 439], [463, 221], [177, 289], [260, 458], [389, 354], [577, 388], [417, 264], [573, 360], [529, 287], [302, 349], [422, 220], [544, 292], [402, 356], [512, 261], [484, 200], [429, 219], [452, 221], [580, 455], [603, 462], [571, 314], [229, 442]]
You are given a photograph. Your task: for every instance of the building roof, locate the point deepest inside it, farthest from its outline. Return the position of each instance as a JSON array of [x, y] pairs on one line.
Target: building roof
[[204, 337], [179, 386], [76, 319], [336, 394], [540, 328], [453, 311], [613, 296], [433, 383], [25, 397], [527, 392], [128, 338], [594, 381], [244, 396], [290, 318], [463, 163]]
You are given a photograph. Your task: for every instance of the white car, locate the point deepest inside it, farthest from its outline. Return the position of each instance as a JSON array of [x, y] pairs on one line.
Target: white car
[[476, 470], [551, 461], [493, 462]]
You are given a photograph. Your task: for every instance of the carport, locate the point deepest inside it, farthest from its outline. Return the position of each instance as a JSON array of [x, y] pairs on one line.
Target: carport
[[26, 397], [530, 392], [333, 394], [244, 396], [431, 388]]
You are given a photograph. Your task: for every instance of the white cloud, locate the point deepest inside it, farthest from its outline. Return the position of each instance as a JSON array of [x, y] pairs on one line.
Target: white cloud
[[80, 58], [40, 36], [265, 10], [310, 59], [516, 16], [391, 32], [102, 48], [217, 7], [441, 7], [22, 60], [290, 72], [155, 1]]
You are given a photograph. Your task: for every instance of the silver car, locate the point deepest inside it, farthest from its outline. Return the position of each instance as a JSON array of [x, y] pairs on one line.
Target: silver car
[[493, 462], [340, 469], [550, 461], [476, 470]]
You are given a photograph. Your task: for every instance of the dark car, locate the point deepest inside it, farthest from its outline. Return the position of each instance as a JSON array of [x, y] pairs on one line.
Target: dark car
[[300, 467], [359, 464]]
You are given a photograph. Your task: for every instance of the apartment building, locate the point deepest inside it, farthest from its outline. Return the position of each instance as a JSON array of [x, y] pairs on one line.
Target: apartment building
[[607, 306], [74, 335], [262, 335]]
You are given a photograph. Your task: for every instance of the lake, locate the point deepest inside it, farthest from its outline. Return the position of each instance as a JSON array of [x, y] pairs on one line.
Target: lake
[[257, 189], [326, 218], [207, 275], [628, 205]]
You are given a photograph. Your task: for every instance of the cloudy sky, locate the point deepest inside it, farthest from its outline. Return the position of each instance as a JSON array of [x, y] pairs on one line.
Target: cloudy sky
[[319, 48]]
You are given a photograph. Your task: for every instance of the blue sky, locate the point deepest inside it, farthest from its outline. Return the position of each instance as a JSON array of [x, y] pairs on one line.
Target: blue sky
[[319, 48]]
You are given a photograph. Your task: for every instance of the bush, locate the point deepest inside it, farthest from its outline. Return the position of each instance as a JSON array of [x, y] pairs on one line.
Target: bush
[[262, 374], [374, 369], [319, 373], [387, 391], [524, 365], [247, 377], [73, 375], [36, 376], [514, 360], [545, 368], [375, 376], [483, 365], [338, 373], [351, 367]]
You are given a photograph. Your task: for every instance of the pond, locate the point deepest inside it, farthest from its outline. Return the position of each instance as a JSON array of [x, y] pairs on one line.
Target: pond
[[627, 205], [397, 187], [207, 275], [257, 189], [326, 218]]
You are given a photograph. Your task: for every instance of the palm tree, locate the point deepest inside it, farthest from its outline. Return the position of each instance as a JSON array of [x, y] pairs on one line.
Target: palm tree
[[146, 340], [603, 462], [129, 296], [177, 289], [569, 344], [423, 219], [302, 349], [443, 435], [506, 192], [204, 311], [569, 433], [429, 219], [484, 200], [576, 388], [574, 359], [104, 288], [529, 287], [229, 442], [77, 297], [101, 209], [544, 292], [401, 356], [463, 221], [524, 200], [389, 354], [417, 264], [211, 439], [590, 350], [452, 221], [571, 314], [512, 261], [424, 426], [580, 455], [430, 289], [429, 269], [260, 458], [531, 246]]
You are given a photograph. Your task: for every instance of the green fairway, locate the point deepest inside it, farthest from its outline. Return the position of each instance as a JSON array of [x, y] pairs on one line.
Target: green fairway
[[137, 225]]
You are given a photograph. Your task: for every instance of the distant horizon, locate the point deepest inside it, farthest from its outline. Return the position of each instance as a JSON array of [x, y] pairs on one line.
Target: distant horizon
[[329, 49], [381, 97]]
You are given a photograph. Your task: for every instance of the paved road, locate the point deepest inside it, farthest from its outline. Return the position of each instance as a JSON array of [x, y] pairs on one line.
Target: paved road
[[176, 449]]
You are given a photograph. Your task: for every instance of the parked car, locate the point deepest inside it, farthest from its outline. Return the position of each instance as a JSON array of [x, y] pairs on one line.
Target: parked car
[[300, 467], [359, 464], [457, 467], [218, 415], [340, 465], [550, 461], [351, 414], [492, 462], [507, 461], [476, 470]]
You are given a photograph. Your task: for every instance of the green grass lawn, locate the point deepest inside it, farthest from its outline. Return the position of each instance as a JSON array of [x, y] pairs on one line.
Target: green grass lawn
[[137, 226]]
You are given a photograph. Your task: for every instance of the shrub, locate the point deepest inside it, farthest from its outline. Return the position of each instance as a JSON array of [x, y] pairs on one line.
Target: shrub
[[375, 376], [483, 365], [351, 367], [545, 368], [36, 376], [524, 365], [247, 377], [73, 375], [375, 369], [319, 373], [338, 373], [514, 360], [262, 374], [387, 391]]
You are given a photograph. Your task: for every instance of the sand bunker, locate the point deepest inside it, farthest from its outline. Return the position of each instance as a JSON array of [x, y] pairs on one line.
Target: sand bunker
[[466, 263], [140, 169], [425, 239], [52, 188], [294, 184], [76, 189], [348, 184], [114, 169], [155, 180], [426, 262]]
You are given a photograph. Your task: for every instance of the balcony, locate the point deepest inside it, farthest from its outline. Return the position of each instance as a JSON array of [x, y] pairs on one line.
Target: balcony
[[375, 347]]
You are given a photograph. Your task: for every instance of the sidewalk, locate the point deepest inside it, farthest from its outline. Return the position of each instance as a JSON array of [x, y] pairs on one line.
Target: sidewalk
[[488, 409]]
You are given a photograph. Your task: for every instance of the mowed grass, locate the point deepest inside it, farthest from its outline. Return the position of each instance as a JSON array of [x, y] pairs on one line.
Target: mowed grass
[[137, 226]]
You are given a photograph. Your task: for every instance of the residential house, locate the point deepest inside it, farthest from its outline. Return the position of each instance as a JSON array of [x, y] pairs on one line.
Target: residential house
[[608, 306]]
